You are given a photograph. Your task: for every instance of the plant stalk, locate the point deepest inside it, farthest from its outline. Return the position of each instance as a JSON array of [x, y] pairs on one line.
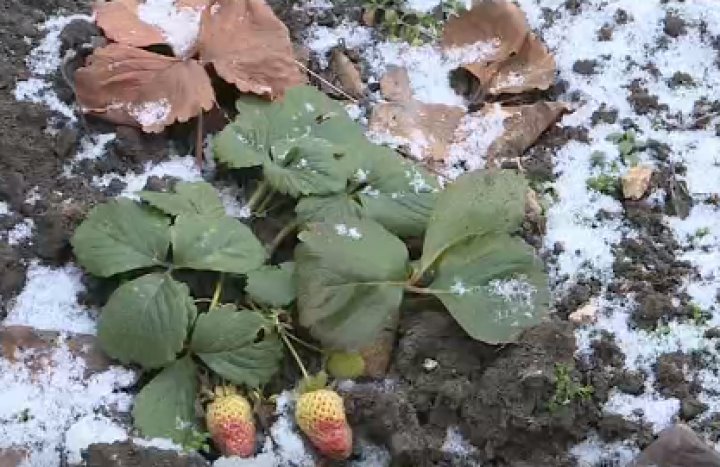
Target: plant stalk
[[199, 141], [292, 350], [304, 344], [257, 196], [284, 232], [263, 205], [218, 292], [326, 82], [418, 290]]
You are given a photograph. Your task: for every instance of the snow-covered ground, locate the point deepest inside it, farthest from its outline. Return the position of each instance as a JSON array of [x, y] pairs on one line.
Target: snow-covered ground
[[63, 410]]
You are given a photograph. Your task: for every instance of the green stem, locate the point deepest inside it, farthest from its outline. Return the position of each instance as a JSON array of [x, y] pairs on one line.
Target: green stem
[[292, 350], [257, 196], [263, 205], [218, 292], [284, 232], [304, 344], [418, 290]]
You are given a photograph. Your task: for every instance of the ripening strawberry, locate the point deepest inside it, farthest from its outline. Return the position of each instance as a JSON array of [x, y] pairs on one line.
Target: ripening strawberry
[[230, 421], [320, 414]]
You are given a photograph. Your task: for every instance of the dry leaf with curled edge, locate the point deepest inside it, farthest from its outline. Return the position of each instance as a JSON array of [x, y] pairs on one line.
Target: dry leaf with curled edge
[[523, 126], [490, 21], [533, 67], [131, 86], [248, 46], [425, 128]]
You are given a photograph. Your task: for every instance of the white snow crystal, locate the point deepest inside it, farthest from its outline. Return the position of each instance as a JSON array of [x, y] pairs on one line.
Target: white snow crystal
[[151, 113], [20, 232], [49, 301], [179, 26]]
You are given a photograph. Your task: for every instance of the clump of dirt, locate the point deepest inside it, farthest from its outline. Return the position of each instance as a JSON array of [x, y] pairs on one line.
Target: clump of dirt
[[498, 398]]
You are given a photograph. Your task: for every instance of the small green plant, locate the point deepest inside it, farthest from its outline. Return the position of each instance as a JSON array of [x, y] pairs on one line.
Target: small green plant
[[628, 146], [399, 22], [605, 183], [567, 389], [697, 314], [197, 441], [702, 232], [352, 202]]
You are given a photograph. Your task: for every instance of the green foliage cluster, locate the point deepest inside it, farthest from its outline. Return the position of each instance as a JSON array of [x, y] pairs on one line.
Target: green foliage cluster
[[354, 203], [567, 389], [399, 22]]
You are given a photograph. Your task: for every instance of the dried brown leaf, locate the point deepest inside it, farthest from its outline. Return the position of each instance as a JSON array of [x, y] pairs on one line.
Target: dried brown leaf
[[523, 126], [347, 73], [132, 86], [120, 22], [249, 47], [488, 21], [395, 85], [533, 67], [427, 128]]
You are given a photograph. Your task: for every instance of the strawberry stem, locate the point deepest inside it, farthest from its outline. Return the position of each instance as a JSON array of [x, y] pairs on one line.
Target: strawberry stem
[[303, 343], [257, 196], [199, 141], [291, 348], [218, 292], [281, 235]]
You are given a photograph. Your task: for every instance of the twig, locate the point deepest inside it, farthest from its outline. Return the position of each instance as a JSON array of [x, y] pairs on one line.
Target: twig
[[326, 82], [304, 344]]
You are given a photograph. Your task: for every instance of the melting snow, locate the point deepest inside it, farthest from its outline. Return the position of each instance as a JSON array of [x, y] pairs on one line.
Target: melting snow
[[21, 232], [350, 232], [151, 113], [182, 168], [179, 26], [474, 136]]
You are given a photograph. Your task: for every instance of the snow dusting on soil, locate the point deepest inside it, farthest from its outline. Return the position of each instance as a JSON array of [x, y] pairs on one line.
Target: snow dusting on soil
[[651, 65]]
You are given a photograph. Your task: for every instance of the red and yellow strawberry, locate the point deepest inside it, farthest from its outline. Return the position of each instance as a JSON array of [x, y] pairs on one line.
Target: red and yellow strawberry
[[229, 419], [320, 414]]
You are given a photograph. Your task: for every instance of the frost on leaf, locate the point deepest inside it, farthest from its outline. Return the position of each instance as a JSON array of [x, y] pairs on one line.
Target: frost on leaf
[[131, 86], [249, 47]]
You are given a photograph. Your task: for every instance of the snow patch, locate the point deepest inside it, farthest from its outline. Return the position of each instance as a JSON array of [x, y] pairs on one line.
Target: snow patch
[[21, 232], [182, 168], [179, 26], [49, 301]]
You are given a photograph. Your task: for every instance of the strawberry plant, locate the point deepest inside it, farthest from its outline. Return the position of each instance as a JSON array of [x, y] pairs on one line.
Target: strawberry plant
[[353, 203]]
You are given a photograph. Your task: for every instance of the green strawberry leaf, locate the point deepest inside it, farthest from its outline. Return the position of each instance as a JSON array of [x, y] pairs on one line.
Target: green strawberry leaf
[[404, 214], [493, 286], [308, 166], [476, 204], [215, 244], [325, 208], [188, 198], [246, 141], [146, 320], [272, 285], [350, 276], [165, 407], [231, 343], [120, 236]]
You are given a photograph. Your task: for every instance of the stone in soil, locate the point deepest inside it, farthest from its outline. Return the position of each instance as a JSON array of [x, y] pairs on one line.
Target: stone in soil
[[127, 454]]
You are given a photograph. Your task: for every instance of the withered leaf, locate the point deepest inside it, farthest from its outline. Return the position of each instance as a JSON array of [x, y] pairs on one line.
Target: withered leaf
[[523, 126], [120, 22], [248, 46], [489, 21], [132, 86], [427, 128], [533, 67]]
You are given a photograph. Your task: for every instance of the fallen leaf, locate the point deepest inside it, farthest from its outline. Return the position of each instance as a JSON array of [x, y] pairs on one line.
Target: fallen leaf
[[636, 181], [347, 73], [120, 22], [132, 86], [248, 46], [533, 67], [523, 126], [425, 128], [584, 315], [395, 85], [489, 21]]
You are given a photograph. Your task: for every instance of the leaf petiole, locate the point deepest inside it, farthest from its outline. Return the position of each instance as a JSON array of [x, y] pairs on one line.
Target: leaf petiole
[[257, 196], [281, 235], [291, 348], [218, 292]]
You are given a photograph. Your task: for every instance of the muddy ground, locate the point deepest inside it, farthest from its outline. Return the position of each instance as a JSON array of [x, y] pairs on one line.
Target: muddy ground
[[500, 399]]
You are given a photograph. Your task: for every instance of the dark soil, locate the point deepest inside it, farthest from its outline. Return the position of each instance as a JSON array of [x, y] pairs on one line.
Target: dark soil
[[498, 397]]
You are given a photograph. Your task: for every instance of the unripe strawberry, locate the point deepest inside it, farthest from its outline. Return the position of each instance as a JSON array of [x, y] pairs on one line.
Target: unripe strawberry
[[320, 414], [229, 420]]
